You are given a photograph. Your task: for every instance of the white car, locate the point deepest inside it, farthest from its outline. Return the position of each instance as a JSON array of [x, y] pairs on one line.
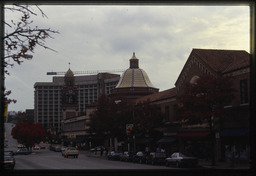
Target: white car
[[179, 160], [70, 151], [21, 146]]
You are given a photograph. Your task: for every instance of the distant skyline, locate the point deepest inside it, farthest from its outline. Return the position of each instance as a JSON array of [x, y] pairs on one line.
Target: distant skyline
[[104, 38]]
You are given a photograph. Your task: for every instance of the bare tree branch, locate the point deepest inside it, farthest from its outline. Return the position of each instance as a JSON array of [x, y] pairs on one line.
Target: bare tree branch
[[21, 38]]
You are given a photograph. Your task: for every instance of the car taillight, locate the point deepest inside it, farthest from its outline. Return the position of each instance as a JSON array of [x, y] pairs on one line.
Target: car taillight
[[78, 152]]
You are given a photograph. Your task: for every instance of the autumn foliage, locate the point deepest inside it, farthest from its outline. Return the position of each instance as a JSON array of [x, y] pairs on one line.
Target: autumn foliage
[[205, 98], [28, 133], [111, 117]]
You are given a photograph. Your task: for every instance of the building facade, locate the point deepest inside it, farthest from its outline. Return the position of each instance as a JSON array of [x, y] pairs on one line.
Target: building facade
[[48, 96], [231, 133]]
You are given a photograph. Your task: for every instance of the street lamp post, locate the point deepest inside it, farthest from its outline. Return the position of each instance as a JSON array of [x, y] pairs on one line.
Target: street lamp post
[[133, 118]]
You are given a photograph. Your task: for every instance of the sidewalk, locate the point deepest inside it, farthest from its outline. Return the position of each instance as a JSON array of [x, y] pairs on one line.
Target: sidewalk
[[201, 163], [224, 165]]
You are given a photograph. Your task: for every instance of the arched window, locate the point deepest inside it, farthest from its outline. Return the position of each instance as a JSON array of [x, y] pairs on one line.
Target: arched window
[[194, 79]]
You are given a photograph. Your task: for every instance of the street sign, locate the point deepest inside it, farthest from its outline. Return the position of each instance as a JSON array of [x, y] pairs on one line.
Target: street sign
[[129, 128]]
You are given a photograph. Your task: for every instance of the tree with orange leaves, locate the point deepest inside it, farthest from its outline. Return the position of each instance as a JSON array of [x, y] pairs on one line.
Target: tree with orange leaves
[[28, 133]]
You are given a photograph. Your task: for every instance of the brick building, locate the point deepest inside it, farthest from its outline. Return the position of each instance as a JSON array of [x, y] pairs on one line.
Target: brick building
[[232, 134]]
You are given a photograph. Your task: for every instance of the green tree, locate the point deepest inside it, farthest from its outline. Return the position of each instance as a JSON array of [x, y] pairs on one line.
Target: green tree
[[28, 133], [204, 101]]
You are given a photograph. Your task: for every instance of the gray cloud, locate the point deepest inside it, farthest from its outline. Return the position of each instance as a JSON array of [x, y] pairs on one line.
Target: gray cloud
[[104, 37]]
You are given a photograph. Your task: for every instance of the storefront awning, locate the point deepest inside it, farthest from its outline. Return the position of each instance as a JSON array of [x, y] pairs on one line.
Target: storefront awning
[[193, 134], [166, 140], [142, 140], [234, 132]]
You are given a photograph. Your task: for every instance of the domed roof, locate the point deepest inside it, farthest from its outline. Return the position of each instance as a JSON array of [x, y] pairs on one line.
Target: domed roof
[[69, 73], [134, 76]]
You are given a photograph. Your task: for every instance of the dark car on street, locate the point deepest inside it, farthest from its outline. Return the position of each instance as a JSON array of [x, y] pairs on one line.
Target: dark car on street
[[114, 155], [9, 161], [8, 152], [97, 149], [156, 158], [180, 160], [127, 156], [22, 151], [139, 157], [56, 148]]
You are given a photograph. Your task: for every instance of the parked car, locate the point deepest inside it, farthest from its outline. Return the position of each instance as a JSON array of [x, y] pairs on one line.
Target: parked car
[[63, 148], [139, 157], [114, 155], [127, 156], [98, 148], [5, 143], [156, 158], [70, 151], [8, 152], [52, 147], [180, 160], [22, 151], [56, 148], [36, 147], [42, 147], [21, 146], [9, 160]]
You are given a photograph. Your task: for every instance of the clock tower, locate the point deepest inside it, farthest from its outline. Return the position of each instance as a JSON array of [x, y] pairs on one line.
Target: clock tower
[[69, 96]]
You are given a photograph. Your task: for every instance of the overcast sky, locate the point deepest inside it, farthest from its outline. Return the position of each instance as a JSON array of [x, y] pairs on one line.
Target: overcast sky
[[104, 38]]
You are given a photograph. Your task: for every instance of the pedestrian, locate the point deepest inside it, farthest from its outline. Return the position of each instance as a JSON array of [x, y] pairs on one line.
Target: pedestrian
[[158, 149], [106, 151], [101, 151]]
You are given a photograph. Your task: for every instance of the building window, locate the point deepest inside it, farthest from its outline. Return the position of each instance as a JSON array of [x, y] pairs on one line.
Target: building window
[[175, 108], [167, 113], [244, 91]]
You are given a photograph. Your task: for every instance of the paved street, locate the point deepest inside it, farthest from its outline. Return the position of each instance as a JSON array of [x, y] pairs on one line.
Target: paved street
[[46, 159]]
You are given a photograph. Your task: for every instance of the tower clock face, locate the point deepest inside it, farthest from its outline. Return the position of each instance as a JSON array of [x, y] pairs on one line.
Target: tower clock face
[[69, 96]]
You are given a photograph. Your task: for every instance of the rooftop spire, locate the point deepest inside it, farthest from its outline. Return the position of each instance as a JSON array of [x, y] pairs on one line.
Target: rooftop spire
[[134, 62]]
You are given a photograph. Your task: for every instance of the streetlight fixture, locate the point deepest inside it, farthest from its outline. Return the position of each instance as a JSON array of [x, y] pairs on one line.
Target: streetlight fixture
[[28, 56]]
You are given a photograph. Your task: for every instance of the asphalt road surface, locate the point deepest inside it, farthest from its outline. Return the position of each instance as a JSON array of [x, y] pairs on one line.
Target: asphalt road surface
[[46, 159]]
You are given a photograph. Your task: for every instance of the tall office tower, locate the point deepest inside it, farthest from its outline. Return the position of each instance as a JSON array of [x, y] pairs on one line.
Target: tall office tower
[[48, 96]]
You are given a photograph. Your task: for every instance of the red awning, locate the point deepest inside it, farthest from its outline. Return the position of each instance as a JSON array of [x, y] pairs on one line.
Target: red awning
[[193, 134]]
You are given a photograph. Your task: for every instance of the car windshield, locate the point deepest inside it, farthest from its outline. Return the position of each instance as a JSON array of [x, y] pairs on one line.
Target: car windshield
[[72, 148], [181, 155]]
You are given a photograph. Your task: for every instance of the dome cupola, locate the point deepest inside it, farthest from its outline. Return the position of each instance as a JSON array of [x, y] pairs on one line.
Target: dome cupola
[[134, 82], [69, 73], [134, 62], [134, 76]]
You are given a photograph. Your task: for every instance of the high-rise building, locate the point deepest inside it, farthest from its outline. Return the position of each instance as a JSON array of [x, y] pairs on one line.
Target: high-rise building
[[48, 96]]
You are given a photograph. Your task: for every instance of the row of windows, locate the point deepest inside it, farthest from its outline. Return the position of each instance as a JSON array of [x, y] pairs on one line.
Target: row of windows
[[168, 116], [244, 91], [88, 86], [244, 99], [48, 87], [80, 125]]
